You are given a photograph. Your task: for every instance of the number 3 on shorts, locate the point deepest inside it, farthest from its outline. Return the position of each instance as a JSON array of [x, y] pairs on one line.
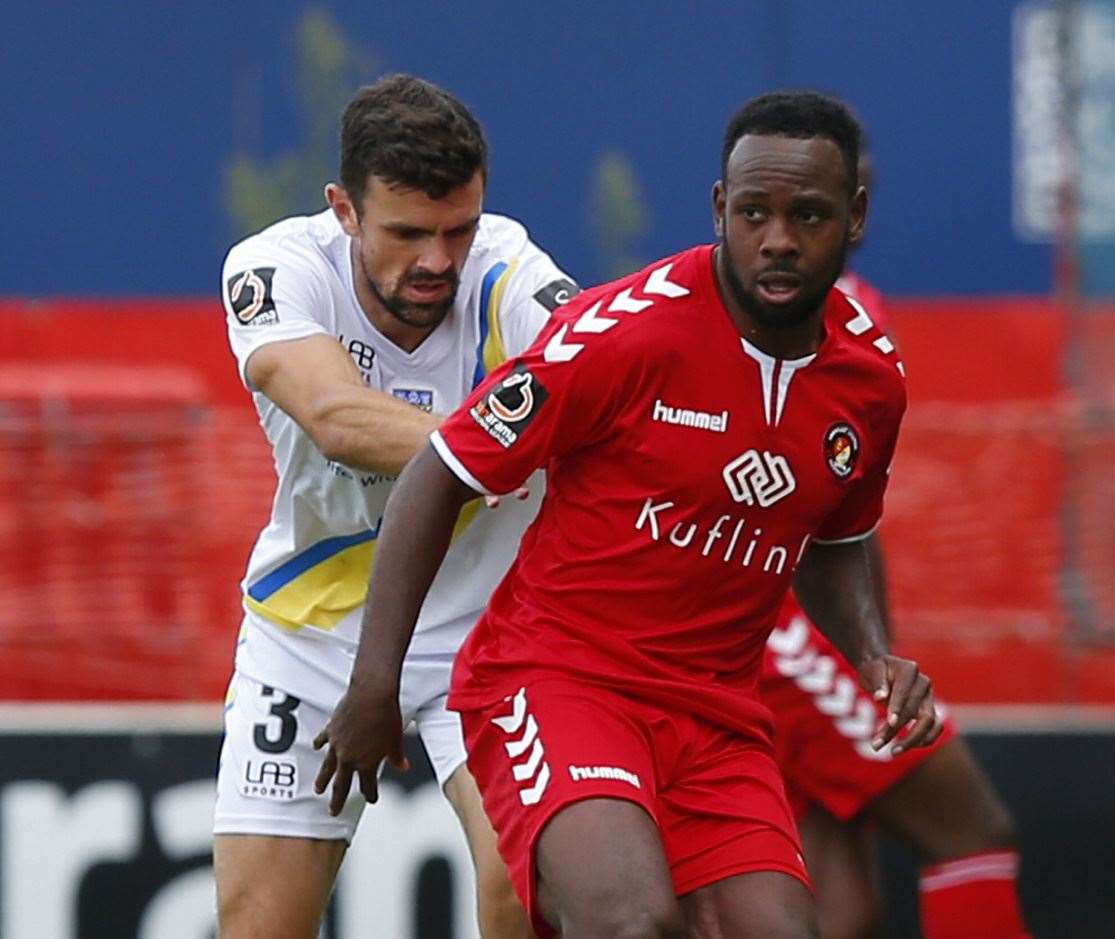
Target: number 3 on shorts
[[288, 724]]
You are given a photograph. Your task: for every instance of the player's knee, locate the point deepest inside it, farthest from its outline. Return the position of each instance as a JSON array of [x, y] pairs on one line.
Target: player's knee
[[241, 915], [646, 924], [629, 918]]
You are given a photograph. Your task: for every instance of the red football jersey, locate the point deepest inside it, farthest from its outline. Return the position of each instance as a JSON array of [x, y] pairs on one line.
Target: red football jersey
[[686, 472]]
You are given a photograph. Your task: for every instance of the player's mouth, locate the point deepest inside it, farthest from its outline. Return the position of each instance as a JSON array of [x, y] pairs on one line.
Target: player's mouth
[[428, 291], [778, 287]]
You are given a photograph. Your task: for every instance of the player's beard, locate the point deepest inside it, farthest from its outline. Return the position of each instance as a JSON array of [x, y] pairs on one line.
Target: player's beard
[[417, 315], [789, 315]]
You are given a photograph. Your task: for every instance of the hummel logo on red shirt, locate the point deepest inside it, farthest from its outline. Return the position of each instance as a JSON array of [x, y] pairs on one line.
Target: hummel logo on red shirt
[[604, 772], [701, 420]]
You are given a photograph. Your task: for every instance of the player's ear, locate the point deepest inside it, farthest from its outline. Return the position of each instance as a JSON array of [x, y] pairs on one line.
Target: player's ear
[[718, 203], [343, 208], [857, 218]]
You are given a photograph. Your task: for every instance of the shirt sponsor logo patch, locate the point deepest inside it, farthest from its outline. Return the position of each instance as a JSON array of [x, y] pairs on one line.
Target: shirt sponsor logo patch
[[509, 408], [249, 295], [557, 292], [841, 449], [760, 479], [729, 538], [420, 397]]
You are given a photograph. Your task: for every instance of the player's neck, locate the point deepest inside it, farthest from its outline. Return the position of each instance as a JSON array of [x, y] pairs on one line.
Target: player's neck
[[387, 324], [780, 342]]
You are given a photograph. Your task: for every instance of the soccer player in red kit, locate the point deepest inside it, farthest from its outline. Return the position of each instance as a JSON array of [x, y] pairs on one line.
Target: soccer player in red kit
[[936, 799], [712, 427]]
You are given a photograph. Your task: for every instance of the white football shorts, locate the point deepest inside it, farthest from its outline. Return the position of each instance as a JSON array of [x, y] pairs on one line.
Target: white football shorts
[[268, 764]]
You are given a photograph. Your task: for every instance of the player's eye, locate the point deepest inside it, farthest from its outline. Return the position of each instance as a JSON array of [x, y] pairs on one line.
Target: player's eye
[[811, 214], [463, 231], [404, 233], [752, 213]]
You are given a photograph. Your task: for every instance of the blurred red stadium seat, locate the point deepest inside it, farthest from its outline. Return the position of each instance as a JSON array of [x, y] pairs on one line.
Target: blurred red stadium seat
[[134, 479]]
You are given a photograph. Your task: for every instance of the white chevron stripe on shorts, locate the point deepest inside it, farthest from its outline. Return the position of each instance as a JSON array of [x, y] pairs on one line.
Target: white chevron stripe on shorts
[[533, 767]]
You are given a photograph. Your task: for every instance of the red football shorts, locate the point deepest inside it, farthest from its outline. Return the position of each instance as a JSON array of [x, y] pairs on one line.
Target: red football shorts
[[824, 722], [716, 796]]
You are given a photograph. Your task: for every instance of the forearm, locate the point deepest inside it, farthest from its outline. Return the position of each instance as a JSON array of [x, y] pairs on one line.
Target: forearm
[[836, 588], [315, 381], [879, 578], [371, 431], [415, 534]]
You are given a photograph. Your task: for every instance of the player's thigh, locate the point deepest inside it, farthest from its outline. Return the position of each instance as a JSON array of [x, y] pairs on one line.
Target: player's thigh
[[568, 777], [601, 869], [265, 780], [276, 847], [759, 905], [464, 796], [841, 861], [272, 886], [946, 807]]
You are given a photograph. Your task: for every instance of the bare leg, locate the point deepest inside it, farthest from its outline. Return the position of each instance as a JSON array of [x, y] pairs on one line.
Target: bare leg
[[762, 905], [841, 862], [500, 914], [602, 874], [274, 887], [946, 808]]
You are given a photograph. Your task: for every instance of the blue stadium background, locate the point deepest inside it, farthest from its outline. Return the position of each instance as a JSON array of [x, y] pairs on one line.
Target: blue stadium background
[[118, 124]]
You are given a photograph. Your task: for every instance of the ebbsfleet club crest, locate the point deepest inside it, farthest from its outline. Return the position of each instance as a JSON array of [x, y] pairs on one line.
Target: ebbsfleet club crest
[[841, 449], [506, 410]]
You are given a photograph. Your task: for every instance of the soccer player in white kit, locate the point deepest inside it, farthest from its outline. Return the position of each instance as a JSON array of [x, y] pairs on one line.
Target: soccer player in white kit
[[353, 329]]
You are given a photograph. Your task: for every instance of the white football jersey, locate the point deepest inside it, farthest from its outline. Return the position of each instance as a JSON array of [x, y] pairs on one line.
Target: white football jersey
[[308, 573]]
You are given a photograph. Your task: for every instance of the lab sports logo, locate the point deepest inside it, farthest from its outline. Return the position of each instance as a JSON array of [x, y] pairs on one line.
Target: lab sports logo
[[270, 779], [841, 449], [507, 410], [419, 397], [249, 295], [760, 479]]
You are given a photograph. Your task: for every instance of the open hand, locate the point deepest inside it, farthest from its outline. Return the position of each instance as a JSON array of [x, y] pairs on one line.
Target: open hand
[[365, 730]]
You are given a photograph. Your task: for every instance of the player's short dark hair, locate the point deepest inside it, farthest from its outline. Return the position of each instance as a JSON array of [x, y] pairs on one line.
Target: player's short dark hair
[[409, 133], [800, 114]]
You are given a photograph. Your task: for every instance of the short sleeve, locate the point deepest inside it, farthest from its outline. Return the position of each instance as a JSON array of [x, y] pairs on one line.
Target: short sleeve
[[859, 514], [557, 396], [269, 295], [536, 287]]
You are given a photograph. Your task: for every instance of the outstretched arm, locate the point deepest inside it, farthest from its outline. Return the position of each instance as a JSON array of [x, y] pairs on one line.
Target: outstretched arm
[[316, 382], [366, 727], [835, 585]]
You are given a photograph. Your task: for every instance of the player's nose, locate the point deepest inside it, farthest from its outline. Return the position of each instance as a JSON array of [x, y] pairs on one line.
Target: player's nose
[[779, 239], [435, 257]]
